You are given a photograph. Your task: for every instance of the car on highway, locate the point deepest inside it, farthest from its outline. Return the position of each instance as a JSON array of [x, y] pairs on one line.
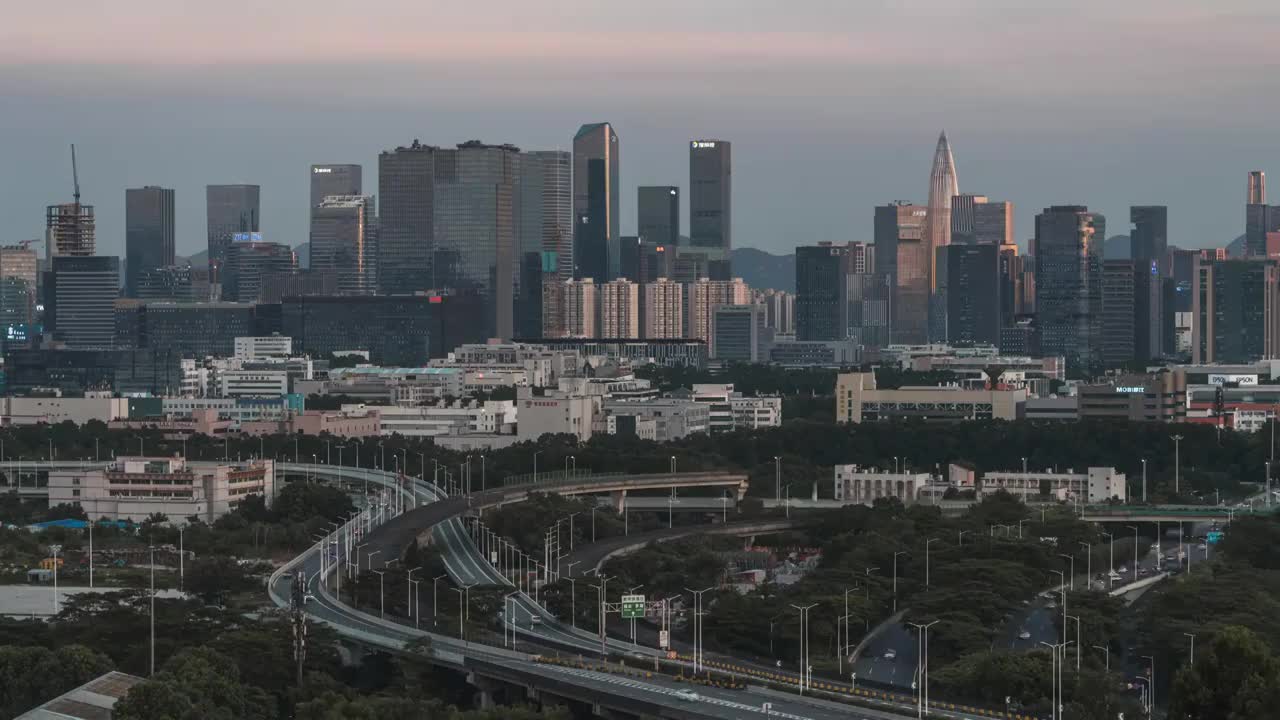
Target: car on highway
[[535, 621], [687, 695], [1024, 635], [1201, 546], [890, 654], [308, 598], [1123, 569]]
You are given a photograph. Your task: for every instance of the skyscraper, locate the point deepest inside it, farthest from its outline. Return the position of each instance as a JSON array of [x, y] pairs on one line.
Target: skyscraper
[[230, 209], [1257, 190], [943, 186], [1149, 248], [596, 201], [336, 179], [972, 291], [476, 227], [406, 225], [1236, 309], [978, 220], [545, 215], [84, 292], [248, 266], [1118, 312], [711, 204], [344, 241], [822, 286], [620, 309], [148, 233], [658, 214], [1068, 253], [900, 254], [69, 230]]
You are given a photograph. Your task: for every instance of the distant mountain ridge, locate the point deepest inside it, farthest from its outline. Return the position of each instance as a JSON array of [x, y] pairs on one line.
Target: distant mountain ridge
[[762, 270]]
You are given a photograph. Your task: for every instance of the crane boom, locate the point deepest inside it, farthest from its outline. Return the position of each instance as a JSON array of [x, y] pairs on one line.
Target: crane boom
[[75, 175]]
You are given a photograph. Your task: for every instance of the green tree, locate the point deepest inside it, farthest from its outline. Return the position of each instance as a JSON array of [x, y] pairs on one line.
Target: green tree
[[1235, 677], [212, 579], [196, 683], [33, 675]]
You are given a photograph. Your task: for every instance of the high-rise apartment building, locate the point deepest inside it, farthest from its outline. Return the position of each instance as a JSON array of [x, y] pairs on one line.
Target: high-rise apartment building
[[620, 309], [1118, 312], [230, 209], [406, 225], [902, 254], [978, 220], [596, 201], [705, 295], [658, 214], [1149, 249], [69, 230], [970, 283], [780, 309], [822, 302], [335, 179], [581, 304], [1236, 310], [83, 294], [1068, 256], [943, 186], [663, 310], [344, 241], [711, 204], [148, 233]]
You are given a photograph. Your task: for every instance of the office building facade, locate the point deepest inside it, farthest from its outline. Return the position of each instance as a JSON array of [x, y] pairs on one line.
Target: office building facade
[[84, 292], [406, 238], [658, 214], [1149, 248], [740, 333], [596, 201], [148, 232], [971, 288], [344, 241], [1235, 310], [822, 301], [943, 186], [404, 331], [979, 220], [335, 179], [1119, 303], [1068, 256], [711, 204], [901, 254], [230, 209], [248, 266]]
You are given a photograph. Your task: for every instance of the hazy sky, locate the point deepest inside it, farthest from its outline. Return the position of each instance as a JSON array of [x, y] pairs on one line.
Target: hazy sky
[[833, 106]]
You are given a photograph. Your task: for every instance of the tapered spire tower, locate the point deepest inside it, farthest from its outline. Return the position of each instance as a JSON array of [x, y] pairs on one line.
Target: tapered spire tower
[[943, 185]]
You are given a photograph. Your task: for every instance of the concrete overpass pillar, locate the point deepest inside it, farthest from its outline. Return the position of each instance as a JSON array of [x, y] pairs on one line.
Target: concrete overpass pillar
[[617, 498]]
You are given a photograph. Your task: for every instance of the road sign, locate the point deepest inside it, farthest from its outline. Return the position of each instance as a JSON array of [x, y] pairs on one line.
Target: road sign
[[632, 607], [493, 557], [664, 639]]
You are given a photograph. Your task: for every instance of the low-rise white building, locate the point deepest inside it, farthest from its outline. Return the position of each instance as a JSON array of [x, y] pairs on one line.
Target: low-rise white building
[[253, 383], [136, 487], [866, 485], [1097, 485], [457, 418], [554, 412], [263, 348]]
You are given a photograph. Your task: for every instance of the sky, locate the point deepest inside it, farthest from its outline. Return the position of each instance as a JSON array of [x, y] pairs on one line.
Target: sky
[[832, 106]]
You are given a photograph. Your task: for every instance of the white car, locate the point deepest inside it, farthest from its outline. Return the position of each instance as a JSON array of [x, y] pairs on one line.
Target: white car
[[1024, 635], [1123, 569], [308, 598], [890, 654], [687, 695]]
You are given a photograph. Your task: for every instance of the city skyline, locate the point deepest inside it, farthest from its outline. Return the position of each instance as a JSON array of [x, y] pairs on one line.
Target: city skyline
[[182, 110]]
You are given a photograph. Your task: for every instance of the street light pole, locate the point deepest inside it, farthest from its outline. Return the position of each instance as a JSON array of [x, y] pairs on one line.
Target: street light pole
[[1177, 471], [1193, 646], [922, 667], [895, 579], [927, 543], [1106, 655], [1144, 479], [1134, 528], [804, 644]]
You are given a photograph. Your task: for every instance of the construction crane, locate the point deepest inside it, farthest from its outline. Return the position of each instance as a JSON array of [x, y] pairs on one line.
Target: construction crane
[[24, 244], [75, 175]]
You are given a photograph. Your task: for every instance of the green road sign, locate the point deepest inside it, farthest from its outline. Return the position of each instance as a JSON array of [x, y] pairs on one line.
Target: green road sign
[[632, 607]]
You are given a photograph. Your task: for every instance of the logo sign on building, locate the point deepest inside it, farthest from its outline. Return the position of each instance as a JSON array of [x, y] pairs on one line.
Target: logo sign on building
[[703, 144], [1130, 389], [1223, 379], [246, 237], [632, 607], [664, 638], [1213, 537]]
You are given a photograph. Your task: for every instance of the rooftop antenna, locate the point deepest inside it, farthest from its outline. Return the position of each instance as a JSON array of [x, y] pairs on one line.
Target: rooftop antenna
[[75, 175]]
